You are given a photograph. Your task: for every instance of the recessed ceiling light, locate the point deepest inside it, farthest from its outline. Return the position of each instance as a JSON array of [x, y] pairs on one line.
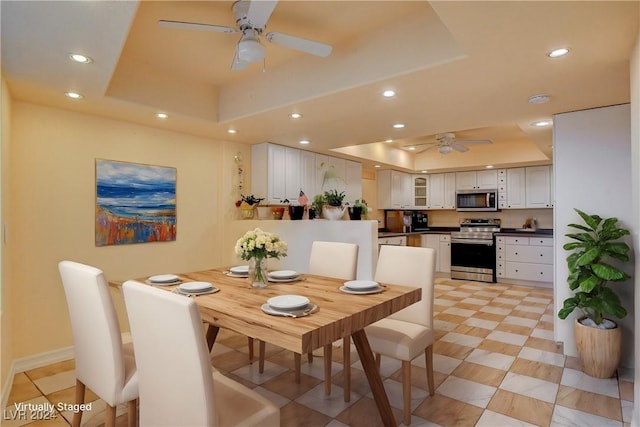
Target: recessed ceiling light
[[398, 125], [82, 59], [162, 116], [411, 148], [376, 166], [73, 95], [539, 99], [423, 171], [295, 115], [232, 131], [558, 52], [542, 123], [489, 167], [304, 141], [389, 93], [388, 141]]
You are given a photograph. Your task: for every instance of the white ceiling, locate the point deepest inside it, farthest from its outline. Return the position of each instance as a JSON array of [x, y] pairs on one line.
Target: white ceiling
[[462, 67]]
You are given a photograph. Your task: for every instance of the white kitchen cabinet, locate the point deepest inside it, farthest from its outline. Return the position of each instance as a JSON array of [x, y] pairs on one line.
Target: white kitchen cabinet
[[275, 172], [502, 188], [279, 172], [441, 243], [524, 259], [516, 188], [477, 180], [394, 190], [421, 191], [538, 187], [442, 191]]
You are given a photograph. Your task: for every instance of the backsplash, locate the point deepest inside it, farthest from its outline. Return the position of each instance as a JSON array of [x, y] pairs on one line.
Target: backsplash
[[511, 218]]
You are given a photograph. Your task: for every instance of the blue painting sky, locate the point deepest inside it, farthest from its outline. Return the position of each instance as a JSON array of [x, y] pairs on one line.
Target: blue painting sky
[[136, 191]]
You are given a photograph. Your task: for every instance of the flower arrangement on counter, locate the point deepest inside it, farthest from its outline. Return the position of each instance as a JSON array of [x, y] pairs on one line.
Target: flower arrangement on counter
[[248, 201]]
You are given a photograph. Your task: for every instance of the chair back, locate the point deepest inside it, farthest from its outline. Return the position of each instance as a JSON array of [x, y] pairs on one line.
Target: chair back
[[410, 266], [97, 342], [338, 260], [174, 369]]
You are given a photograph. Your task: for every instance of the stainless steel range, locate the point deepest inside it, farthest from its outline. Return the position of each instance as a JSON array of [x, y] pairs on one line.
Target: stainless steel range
[[473, 253]]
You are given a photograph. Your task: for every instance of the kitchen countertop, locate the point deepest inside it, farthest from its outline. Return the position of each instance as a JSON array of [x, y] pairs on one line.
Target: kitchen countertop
[[547, 232]]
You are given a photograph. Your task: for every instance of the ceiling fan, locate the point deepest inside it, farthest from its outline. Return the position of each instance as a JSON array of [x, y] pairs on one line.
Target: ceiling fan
[[446, 143], [251, 20]]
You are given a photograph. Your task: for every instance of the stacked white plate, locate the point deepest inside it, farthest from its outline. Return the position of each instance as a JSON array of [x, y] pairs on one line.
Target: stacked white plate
[[239, 271], [283, 276], [196, 288], [164, 280], [361, 287], [289, 305]]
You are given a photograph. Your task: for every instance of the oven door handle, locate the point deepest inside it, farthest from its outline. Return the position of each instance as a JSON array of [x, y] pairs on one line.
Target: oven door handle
[[473, 241]]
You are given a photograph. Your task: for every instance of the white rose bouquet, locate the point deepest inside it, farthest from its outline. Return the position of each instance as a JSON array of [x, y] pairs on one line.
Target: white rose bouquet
[[260, 244]]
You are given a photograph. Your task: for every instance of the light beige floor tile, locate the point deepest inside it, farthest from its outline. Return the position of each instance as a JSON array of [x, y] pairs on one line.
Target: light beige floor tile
[[458, 311], [502, 311], [466, 391], [582, 381], [56, 382], [461, 339], [574, 418], [507, 337], [494, 419], [490, 359], [481, 323], [530, 387], [593, 403], [520, 321], [445, 364], [521, 407], [475, 301], [541, 356]]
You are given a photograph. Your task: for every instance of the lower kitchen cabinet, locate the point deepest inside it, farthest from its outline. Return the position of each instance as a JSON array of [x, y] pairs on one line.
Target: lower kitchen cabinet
[[441, 243], [525, 259]]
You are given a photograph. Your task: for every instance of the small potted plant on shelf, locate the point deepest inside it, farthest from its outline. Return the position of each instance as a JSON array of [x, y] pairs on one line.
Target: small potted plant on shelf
[[598, 339], [357, 210], [333, 208], [247, 205], [316, 206]]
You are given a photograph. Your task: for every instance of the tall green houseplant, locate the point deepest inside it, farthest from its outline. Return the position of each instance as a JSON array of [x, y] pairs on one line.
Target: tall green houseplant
[[589, 271]]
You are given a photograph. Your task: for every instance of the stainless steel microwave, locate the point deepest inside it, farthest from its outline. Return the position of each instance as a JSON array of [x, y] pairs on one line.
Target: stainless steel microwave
[[477, 200]]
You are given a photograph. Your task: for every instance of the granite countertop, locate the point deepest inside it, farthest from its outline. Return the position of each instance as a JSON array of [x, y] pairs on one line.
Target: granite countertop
[[430, 230], [547, 232]]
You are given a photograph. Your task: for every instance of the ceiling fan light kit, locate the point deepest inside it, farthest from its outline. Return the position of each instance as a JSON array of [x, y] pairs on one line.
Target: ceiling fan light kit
[[249, 48]]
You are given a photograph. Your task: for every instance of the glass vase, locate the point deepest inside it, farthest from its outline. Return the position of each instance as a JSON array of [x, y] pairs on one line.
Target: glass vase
[[258, 274]]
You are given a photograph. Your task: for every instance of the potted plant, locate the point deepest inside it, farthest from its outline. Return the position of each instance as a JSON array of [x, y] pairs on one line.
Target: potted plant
[[296, 211], [357, 210], [316, 206], [247, 205], [333, 208], [598, 339]]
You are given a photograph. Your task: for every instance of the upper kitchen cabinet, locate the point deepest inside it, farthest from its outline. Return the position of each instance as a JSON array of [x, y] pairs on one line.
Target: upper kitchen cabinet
[[477, 180], [442, 191], [516, 188], [420, 188], [279, 173], [394, 190], [275, 172], [538, 183]]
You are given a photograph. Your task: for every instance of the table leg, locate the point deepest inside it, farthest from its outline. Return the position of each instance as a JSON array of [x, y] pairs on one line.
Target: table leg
[[212, 333], [373, 376]]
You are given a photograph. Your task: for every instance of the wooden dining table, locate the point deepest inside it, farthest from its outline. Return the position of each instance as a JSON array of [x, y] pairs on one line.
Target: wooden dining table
[[237, 307]]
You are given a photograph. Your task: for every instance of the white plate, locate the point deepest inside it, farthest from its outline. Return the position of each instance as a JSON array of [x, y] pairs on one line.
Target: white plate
[[288, 302], [283, 274], [240, 269], [213, 290], [193, 287], [362, 292], [164, 278], [311, 308], [241, 275], [287, 280], [361, 285]]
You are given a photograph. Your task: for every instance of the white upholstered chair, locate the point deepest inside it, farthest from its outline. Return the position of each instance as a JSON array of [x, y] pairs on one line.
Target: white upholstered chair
[[338, 260], [409, 332], [178, 385], [102, 362]]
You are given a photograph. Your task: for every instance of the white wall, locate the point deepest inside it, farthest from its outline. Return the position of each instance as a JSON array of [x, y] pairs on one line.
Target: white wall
[[592, 172]]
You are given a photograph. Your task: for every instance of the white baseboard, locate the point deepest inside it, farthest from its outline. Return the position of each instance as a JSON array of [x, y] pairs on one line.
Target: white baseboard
[[32, 362]]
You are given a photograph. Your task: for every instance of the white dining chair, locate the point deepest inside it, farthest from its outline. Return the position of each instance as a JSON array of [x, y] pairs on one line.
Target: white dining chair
[[178, 385], [407, 333], [338, 260], [102, 362]]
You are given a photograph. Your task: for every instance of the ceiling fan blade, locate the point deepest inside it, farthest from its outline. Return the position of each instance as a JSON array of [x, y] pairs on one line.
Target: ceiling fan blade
[[475, 141], [196, 26], [460, 148], [298, 43], [260, 11]]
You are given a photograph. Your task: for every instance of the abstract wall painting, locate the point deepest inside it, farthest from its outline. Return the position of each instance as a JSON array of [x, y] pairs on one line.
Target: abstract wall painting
[[135, 203]]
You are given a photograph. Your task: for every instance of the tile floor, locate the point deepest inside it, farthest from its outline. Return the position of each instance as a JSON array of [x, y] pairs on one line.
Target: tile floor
[[495, 363]]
